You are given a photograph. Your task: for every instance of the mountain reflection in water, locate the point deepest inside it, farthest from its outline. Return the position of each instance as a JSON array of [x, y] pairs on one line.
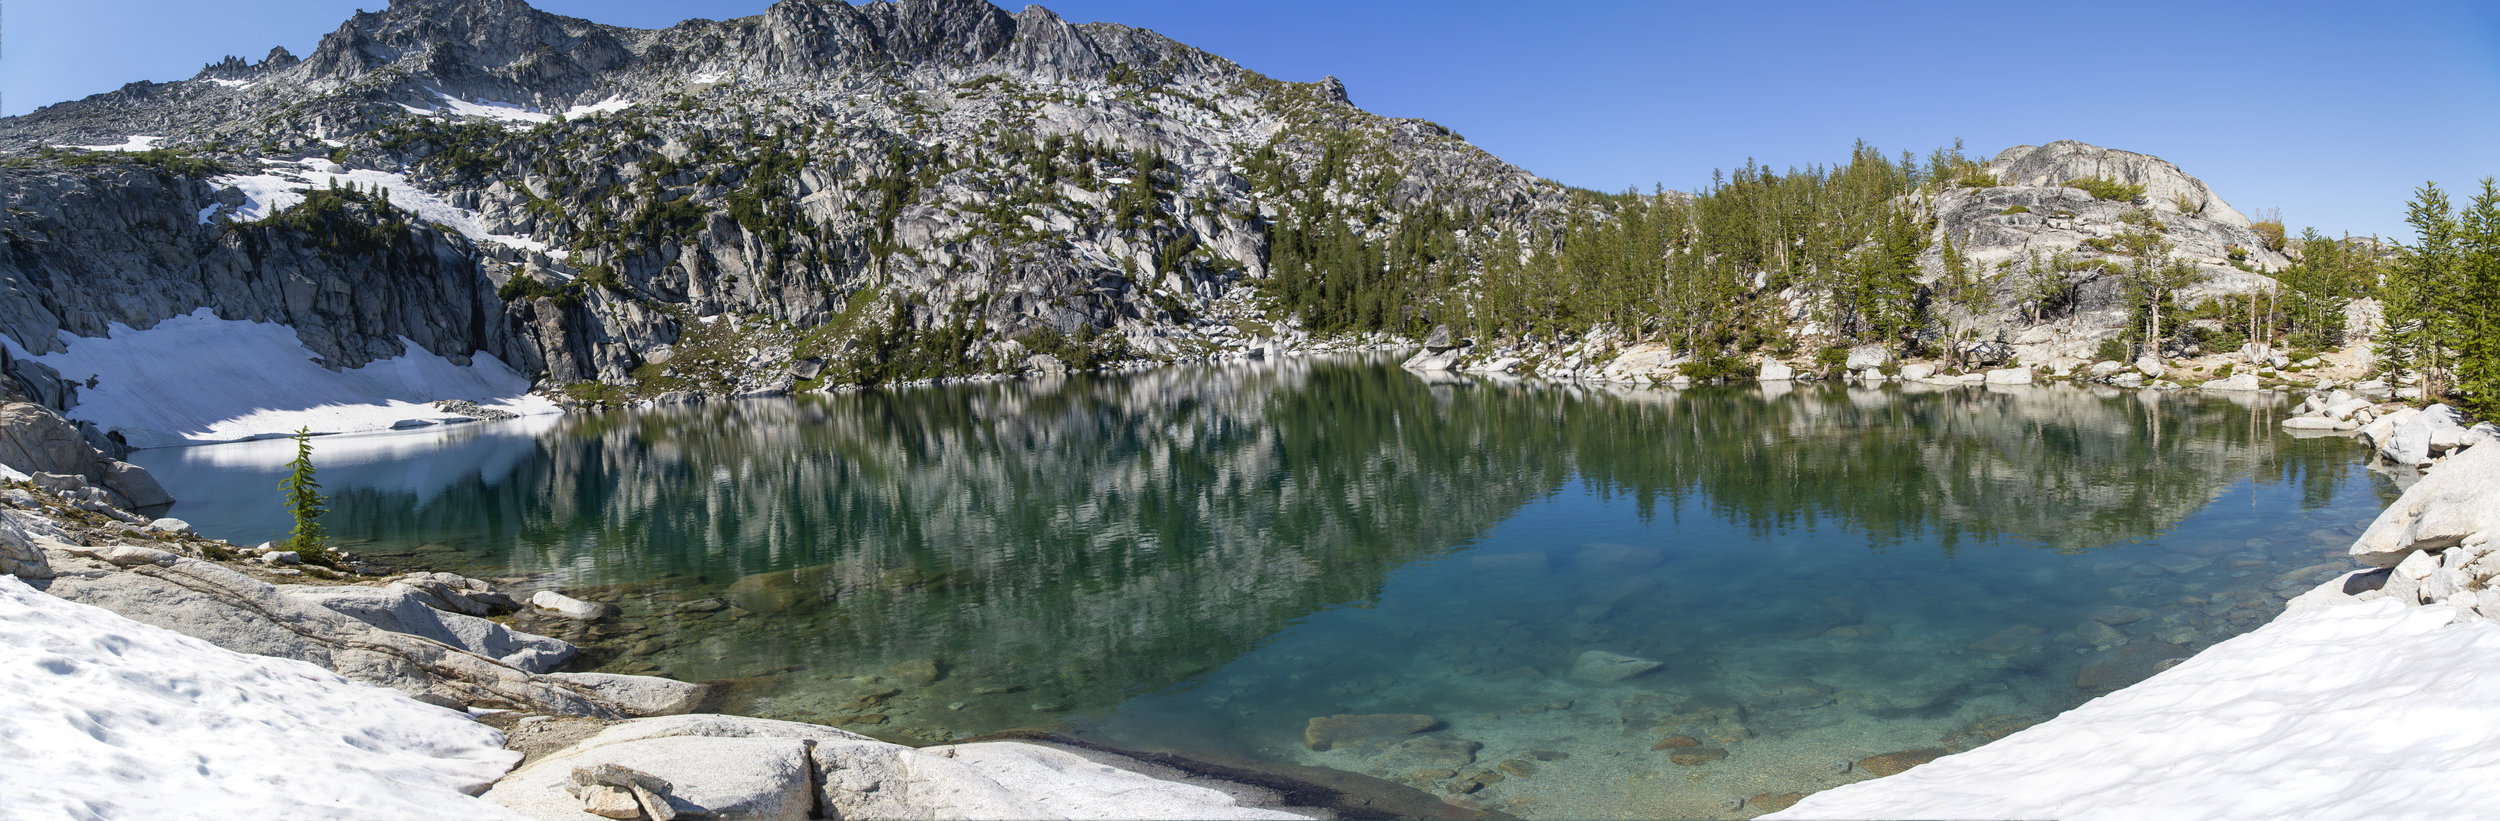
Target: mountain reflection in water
[[937, 562]]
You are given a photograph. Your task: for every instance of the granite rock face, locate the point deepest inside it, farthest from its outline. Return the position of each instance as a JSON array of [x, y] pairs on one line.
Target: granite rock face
[[905, 167]]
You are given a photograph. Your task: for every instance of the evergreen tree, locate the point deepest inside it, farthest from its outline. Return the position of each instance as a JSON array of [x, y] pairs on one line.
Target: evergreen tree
[[303, 499], [2472, 302], [2413, 300]]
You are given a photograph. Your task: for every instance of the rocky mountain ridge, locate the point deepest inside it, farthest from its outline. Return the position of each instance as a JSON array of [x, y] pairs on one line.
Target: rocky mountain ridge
[[925, 180], [887, 192]]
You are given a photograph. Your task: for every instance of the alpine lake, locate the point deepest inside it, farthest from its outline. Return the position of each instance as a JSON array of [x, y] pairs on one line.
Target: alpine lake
[[1538, 599]]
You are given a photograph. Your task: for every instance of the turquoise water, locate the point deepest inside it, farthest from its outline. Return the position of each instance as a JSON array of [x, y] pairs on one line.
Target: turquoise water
[[1205, 560]]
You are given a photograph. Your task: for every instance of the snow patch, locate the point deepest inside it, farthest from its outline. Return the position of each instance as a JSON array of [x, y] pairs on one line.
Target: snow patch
[[197, 379], [283, 186], [2357, 711], [231, 83], [136, 143], [108, 718], [451, 106], [611, 104]]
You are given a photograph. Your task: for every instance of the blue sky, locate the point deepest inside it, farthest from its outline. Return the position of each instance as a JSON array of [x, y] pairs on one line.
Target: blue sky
[[2331, 112]]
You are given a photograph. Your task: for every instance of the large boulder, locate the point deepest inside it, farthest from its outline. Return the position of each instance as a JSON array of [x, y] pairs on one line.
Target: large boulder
[[456, 593], [33, 439], [2423, 435], [2242, 382], [23, 538], [1864, 357], [1774, 370], [1607, 668], [641, 695], [569, 607], [2453, 503], [400, 611]]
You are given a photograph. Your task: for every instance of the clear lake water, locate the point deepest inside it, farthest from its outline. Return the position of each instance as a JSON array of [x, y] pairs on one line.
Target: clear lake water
[[1603, 603]]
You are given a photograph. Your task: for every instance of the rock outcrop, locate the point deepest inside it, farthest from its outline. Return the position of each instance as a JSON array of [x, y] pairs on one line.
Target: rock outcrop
[[732, 767], [399, 611], [211, 602], [36, 440]]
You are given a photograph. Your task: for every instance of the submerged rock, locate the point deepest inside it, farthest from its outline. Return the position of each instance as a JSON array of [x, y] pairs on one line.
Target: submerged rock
[[570, 607], [1607, 668], [1694, 756], [1331, 732], [1894, 763]]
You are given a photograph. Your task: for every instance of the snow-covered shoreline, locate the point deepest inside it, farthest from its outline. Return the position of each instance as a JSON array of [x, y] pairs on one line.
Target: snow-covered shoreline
[[2376, 695], [110, 718]]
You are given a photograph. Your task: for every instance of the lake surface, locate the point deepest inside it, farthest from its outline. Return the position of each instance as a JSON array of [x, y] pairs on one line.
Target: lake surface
[[1206, 559]]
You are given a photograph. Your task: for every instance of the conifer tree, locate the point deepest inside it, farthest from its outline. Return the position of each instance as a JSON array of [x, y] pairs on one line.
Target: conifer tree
[[2415, 321], [2472, 301], [303, 499]]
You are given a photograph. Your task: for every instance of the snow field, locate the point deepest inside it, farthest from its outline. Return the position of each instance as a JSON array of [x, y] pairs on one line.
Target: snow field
[[196, 379], [108, 718]]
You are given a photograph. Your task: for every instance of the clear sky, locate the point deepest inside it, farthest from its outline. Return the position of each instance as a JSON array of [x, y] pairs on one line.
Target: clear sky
[[2332, 112]]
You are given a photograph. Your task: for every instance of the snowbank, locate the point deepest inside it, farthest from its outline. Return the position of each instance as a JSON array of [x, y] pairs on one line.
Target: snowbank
[[2374, 710], [108, 718], [196, 379], [284, 185], [513, 113], [609, 105], [138, 143]]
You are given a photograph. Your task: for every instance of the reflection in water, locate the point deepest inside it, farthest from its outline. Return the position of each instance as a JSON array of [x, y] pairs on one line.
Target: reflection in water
[[1208, 558]]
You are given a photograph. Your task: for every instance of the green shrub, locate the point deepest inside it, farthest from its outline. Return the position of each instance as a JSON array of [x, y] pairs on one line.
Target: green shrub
[[1977, 179], [2236, 253], [2015, 209], [2104, 188], [526, 288], [2111, 350], [1713, 366]]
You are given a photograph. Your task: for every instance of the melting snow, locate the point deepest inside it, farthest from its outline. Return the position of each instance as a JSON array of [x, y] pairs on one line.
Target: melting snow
[[197, 379], [136, 143], [230, 83], [108, 718], [2374, 710], [283, 187]]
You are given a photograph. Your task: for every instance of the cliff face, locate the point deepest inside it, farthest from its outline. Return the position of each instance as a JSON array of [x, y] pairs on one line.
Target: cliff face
[[931, 176]]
